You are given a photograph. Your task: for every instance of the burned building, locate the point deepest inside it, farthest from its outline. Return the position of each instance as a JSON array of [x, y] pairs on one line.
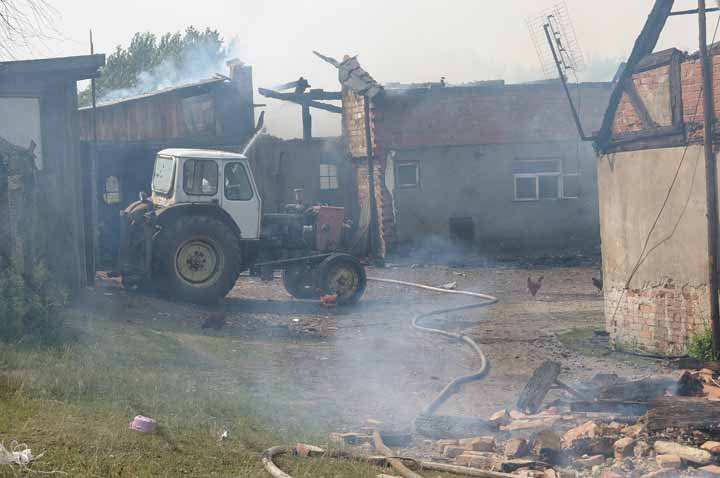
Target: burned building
[[317, 166], [44, 184], [495, 166], [652, 185], [216, 113]]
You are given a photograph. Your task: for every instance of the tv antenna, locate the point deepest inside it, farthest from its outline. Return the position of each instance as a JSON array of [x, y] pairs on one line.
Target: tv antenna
[[558, 49]]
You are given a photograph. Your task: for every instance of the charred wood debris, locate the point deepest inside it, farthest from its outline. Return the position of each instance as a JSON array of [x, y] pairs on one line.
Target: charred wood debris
[[606, 427]]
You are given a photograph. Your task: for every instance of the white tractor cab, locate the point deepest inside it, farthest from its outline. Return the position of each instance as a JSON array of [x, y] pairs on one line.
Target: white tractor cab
[[202, 226]]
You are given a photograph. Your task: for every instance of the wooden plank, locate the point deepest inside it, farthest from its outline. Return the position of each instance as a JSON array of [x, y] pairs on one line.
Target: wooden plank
[[299, 99], [538, 386], [646, 389], [676, 104], [624, 408], [689, 363], [686, 413], [443, 426], [639, 106]]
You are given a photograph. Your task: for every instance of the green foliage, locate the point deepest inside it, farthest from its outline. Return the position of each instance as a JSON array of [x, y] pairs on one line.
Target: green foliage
[[171, 54], [29, 306], [701, 345]]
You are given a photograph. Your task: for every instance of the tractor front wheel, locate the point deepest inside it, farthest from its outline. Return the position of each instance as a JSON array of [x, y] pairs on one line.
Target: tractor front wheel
[[342, 275]]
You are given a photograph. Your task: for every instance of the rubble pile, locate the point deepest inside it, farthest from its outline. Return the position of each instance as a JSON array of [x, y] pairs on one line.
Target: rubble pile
[[607, 427]]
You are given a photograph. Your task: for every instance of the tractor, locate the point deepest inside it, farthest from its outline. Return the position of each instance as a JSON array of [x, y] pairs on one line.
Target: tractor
[[202, 227]]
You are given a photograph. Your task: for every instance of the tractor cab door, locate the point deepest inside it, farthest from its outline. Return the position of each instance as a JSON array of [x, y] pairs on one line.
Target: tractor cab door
[[240, 198]]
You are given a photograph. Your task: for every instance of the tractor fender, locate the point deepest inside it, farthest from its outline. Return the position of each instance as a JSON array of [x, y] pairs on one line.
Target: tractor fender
[[164, 216]]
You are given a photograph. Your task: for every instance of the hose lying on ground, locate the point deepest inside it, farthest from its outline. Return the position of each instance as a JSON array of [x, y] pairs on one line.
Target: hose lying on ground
[[449, 390], [270, 454]]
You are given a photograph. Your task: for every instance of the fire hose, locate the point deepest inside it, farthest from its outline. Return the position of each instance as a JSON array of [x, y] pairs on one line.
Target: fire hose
[[450, 389]]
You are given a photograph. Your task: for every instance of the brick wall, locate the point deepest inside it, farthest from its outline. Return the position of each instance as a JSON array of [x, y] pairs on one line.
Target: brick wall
[[652, 87], [353, 123], [657, 319]]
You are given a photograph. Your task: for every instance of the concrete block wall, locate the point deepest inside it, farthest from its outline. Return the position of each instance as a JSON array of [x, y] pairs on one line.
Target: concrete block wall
[[528, 114]]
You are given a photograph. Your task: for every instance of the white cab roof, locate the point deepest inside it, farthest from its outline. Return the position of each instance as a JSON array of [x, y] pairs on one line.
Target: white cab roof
[[201, 154]]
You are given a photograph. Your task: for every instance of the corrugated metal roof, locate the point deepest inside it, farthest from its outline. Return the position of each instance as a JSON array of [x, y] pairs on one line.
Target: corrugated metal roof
[[209, 81]]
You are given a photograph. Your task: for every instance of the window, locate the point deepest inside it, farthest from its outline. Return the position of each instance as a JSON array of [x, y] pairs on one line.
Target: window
[[537, 179], [112, 194], [199, 113], [407, 174], [200, 177], [328, 176], [237, 184], [164, 174]]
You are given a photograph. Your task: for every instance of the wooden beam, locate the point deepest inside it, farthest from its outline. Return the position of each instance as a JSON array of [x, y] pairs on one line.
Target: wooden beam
[[299, 99], [711, 188], [644, 45], [306, 123], [639, 105], [688, 413], [693, 12]]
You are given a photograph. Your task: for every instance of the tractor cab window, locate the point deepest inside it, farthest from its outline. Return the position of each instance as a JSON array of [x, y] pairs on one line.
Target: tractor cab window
[[164, 174], [200, 177], [237, 184]]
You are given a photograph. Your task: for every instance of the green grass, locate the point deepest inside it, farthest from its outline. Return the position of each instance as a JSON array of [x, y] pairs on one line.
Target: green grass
[[74, 403]]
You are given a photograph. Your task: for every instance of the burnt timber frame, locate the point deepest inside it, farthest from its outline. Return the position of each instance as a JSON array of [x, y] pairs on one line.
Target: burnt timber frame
[[644, 45], [306, 101]]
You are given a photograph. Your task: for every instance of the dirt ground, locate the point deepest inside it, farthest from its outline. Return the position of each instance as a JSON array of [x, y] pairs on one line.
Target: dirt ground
[[332, 368]]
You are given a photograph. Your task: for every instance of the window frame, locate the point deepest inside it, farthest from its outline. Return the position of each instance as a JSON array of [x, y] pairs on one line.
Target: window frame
[[329, 177], [398, 165], [107, 193], [247, 178], [169, 191], [560, 174], [195, 176]]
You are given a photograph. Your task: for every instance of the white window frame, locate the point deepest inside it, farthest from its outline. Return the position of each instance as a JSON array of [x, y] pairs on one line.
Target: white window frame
[[561, 175], [400, 164]]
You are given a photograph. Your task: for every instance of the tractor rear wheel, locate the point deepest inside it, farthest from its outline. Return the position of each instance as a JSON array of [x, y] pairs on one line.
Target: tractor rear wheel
[[300, 282], [197, 259], [342, 275]]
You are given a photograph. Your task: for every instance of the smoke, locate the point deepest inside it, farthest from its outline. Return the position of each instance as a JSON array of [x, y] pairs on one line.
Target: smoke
[[199, 62]]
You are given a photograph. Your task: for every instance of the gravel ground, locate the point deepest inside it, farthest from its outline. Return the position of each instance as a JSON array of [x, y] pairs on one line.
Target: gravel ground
[[336, 367]]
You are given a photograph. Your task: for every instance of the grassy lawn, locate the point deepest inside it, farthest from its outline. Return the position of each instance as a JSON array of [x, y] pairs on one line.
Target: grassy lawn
[[75, 402]]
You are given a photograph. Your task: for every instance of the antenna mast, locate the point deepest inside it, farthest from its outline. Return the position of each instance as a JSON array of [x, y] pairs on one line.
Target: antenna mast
[[558, 51]]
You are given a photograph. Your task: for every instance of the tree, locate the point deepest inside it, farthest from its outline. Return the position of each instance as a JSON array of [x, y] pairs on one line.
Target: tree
[[150, 63], [22, 21]]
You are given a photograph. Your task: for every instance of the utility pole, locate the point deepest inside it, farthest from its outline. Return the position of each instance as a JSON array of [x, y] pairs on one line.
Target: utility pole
[[372, 225], [93, 175], [710, 180]]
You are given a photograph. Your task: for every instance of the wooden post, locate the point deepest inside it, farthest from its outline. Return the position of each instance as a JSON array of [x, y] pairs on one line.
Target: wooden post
[[306, 122], [92, 267], [710, 179], [372, 225]]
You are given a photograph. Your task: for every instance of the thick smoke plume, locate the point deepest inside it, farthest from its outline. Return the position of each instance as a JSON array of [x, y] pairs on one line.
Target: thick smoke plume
[[198, 62]]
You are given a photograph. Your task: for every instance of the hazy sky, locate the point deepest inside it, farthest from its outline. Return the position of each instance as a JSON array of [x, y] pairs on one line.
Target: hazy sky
[[396, 40]]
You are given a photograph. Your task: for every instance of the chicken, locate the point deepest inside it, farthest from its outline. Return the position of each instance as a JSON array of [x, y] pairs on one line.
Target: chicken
[[598, 282], [215, 320], [534, 286]]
